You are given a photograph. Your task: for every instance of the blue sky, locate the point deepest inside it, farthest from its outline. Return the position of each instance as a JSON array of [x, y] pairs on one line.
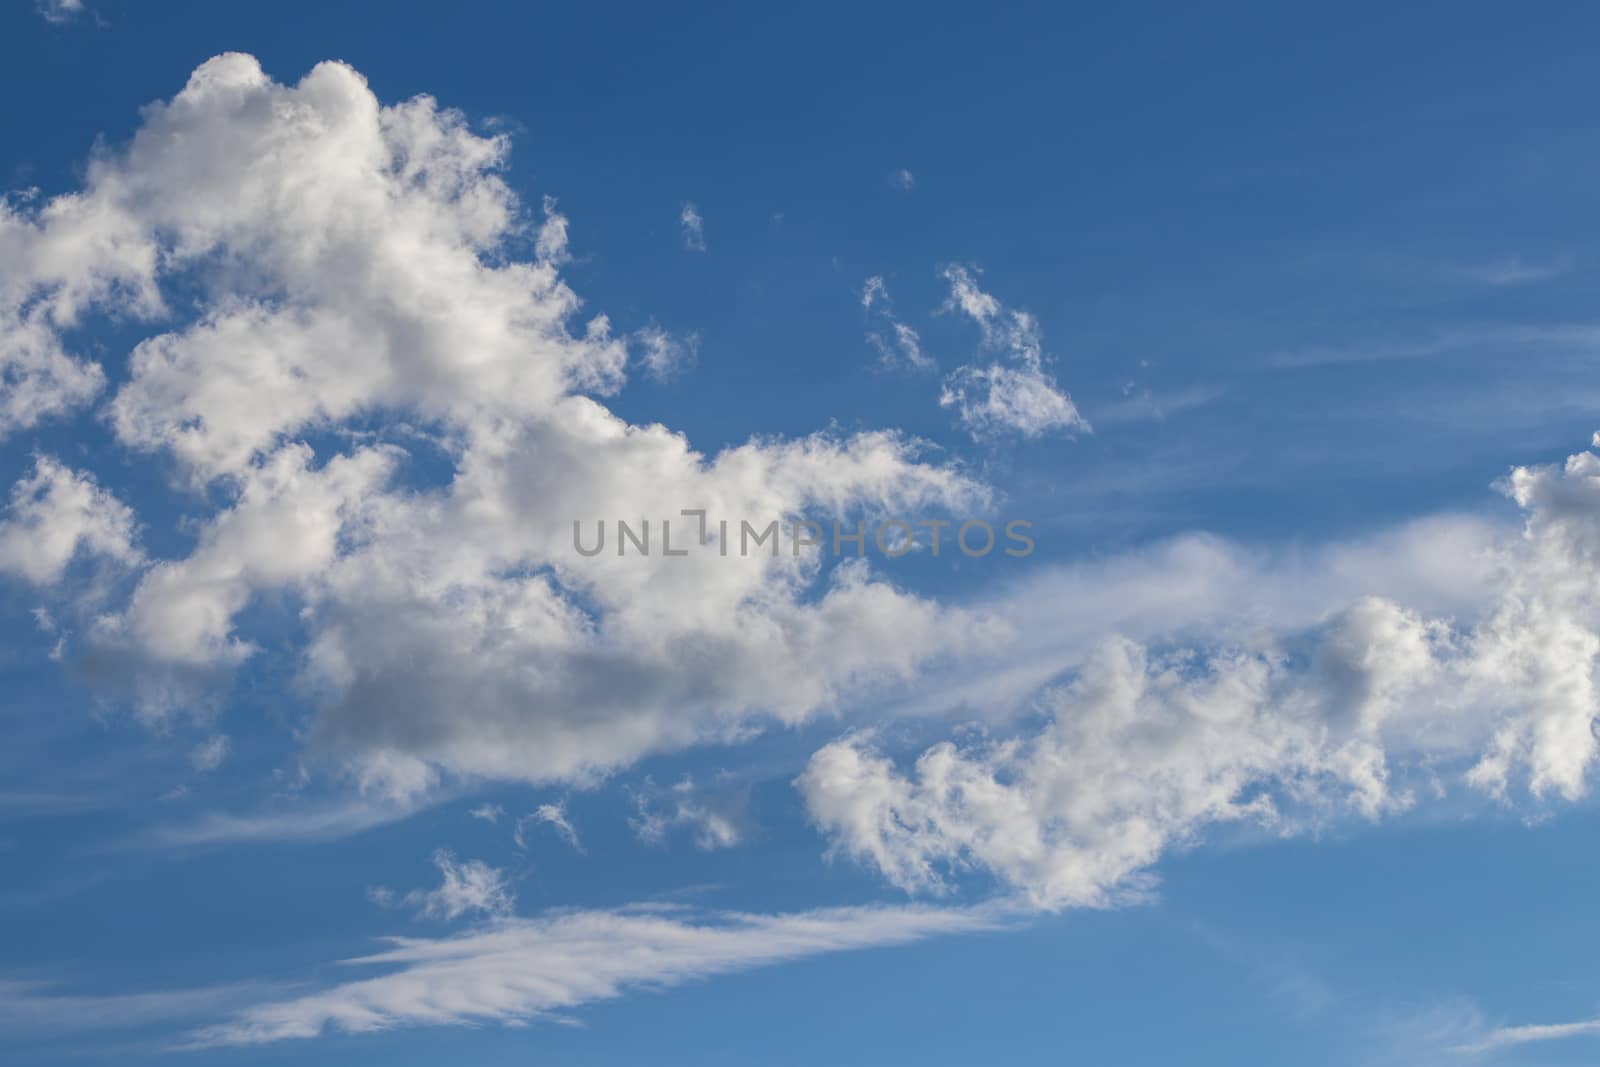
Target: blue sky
[[320, 325]]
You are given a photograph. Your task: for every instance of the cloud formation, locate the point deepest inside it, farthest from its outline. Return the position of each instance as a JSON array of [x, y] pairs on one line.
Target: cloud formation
[[694, 228], [897, 344], [716, 816], [1146, 747], [56, 515], [524, 969], [466, 888], [1014, 392], [349, 265], [553, 816]]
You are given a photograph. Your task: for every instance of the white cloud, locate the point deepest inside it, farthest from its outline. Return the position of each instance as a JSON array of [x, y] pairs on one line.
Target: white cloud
[[715, 816], [1147, 747], [873, 292], [1016, 392], [57, 514], [38, 379], [285, 527], [452, 626], [902, 179], [898, 344], [552, 815], [59, 10], [470, 887], [694, 228], [663, 355], [487, 812], [519, 970], [1512, 1036]]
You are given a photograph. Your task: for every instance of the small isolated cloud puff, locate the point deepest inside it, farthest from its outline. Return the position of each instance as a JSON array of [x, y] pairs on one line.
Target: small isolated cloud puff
[[553, 816], [716, 817], [902, 179], [1015, 392], [472, 887], [694, 228], [664, 356]]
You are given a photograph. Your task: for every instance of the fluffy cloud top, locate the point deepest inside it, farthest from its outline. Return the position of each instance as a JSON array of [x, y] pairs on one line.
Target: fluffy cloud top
[[55, 515], [1145, 748], [346, 265]]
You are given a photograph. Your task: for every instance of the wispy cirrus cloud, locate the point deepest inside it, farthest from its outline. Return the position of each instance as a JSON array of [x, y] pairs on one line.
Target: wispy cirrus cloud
[[520, 970], [1504, 1037], [897, 344]]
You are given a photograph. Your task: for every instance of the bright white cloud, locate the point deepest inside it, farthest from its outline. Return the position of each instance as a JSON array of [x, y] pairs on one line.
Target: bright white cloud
[[284, 528], [56, 515], [1147, 747], [350, 265], [519, 970], [1014, 392]]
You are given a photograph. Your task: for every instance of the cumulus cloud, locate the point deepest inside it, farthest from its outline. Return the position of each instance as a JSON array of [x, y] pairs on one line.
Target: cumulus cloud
[[520, 970], [58, 514], [694, 228], [487, 812], [902, 179], [1147, 747], [351, 280], [1013, 392]]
